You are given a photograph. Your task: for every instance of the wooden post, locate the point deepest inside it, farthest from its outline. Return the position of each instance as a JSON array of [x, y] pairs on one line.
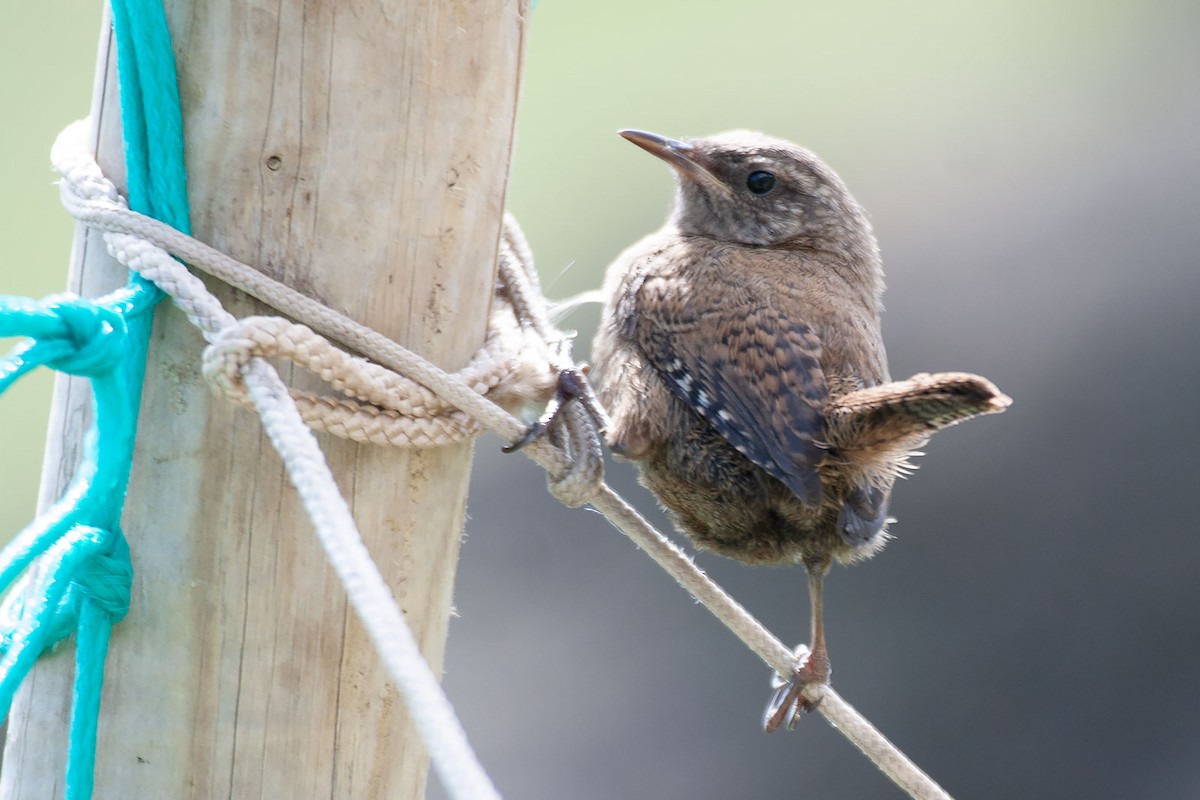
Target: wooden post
[[357, 151]]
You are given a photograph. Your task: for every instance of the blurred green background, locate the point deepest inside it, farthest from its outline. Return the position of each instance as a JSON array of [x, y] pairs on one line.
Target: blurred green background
[[47, 57], [1033, 174]]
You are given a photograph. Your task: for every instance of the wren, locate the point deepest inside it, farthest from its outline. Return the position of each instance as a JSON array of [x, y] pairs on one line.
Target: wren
[[742, 365]]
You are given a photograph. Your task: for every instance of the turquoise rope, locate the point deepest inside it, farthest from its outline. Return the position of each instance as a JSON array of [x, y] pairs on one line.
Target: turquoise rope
[[152, 116], [84, 573]]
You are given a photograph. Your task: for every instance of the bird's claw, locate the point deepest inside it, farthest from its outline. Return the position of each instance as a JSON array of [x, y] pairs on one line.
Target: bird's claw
[[786, 706], [789, 701], [534, 432], [572, 385]]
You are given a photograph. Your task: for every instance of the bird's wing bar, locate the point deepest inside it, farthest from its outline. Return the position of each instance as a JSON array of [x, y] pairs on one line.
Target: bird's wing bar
[[755, 377]]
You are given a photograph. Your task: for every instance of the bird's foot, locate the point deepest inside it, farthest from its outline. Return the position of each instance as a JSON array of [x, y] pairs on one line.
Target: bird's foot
[[572, 385], [790, 701]]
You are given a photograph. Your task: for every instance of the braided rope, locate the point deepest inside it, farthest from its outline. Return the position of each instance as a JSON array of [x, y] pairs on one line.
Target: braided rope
[[571, 455]]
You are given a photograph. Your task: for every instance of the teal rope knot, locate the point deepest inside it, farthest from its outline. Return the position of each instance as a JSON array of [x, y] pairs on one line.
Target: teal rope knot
[[67, 333], [82, 587], [97, 335], [86, 565], [101, 573]]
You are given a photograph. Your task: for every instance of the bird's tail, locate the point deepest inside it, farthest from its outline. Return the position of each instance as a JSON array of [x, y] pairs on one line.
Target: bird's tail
[[905, 413]]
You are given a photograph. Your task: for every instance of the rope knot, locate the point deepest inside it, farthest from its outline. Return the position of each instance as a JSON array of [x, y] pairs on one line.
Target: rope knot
[[44, 607], [230, 350], [106, 577], [96, 335]]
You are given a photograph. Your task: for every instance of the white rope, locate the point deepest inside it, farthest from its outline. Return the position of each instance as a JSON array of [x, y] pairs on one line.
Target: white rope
[[456, 763], [431, 712], [574, 474]]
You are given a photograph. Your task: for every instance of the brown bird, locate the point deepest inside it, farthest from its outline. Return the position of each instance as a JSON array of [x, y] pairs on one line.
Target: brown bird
[[741, 363]]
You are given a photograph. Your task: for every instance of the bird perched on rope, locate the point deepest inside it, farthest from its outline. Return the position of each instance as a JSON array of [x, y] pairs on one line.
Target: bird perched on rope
[[741, 362]]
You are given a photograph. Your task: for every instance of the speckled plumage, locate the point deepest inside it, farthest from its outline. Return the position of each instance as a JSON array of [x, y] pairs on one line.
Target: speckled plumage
[[742, 365]]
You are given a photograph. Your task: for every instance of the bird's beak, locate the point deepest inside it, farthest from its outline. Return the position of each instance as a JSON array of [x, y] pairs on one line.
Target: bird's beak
[[680, 155]]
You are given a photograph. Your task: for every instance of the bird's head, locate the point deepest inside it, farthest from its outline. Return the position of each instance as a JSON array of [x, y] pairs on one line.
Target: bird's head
[[749, 188]]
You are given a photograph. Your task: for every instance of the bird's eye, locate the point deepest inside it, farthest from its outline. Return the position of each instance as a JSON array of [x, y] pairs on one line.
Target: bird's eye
[[760, 182]]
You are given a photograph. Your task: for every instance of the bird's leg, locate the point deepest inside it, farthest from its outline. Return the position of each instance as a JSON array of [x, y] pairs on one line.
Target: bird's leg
[[572, 384], [816, 668], [789, 702]]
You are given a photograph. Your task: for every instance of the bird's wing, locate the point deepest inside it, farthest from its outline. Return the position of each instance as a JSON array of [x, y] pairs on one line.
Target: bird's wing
[[752, 374]]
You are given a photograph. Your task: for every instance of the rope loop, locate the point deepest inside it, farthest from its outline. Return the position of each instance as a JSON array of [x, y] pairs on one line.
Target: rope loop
[[375, 405], [579, 484]]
